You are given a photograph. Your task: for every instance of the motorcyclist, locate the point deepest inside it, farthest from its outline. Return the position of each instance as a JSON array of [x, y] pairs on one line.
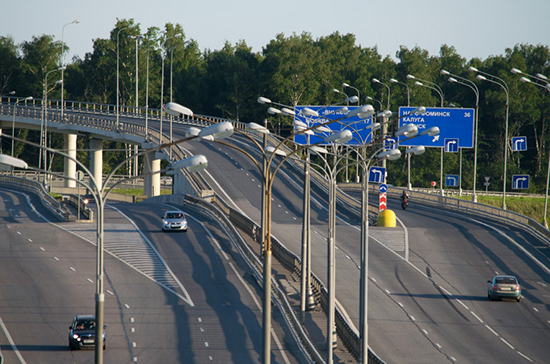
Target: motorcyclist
[[404, 196]]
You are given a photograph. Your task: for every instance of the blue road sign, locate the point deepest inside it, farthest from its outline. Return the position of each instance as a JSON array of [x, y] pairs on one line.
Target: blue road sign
[[359, 127], [383, 188], [377, 175], [453, 123], [451, 180], [451, 145], [520, 181], [519, 144], [391, 143]]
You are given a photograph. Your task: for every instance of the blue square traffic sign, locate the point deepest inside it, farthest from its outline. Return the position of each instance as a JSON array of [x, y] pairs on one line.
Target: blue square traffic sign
[[453, 123], [451, 180], [519, 144], [451, 145], [520, 181], [377, 175]]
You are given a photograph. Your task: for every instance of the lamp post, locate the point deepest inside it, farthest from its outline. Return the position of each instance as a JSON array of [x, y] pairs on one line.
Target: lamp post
[[393, 80], [375, 80], [44, 123], [13, 121], [63, 64], [147, 91], [439, 91], [498, 81], [192, 164], [378, 101], [171, 89], [344, 85], [118, 72], [545, 85], [465, 82], [268, 178], [162, 83]]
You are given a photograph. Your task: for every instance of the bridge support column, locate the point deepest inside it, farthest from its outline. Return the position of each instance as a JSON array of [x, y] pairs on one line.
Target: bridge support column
[[96, 160], [70, 166], [152, 183]]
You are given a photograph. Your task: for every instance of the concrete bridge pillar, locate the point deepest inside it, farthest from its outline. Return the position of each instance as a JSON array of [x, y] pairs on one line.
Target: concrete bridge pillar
[[152, 183], [70, 166], [96, 160]]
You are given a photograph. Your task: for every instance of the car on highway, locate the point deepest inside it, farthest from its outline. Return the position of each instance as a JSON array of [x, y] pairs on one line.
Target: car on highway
[[174, 221], [82, 332], [502, 286]]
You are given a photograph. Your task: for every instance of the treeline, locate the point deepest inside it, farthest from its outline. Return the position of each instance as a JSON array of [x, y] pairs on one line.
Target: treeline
[[300, 70]]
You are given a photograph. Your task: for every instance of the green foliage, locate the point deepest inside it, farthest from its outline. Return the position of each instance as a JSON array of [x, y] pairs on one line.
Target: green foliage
[[295, 70]]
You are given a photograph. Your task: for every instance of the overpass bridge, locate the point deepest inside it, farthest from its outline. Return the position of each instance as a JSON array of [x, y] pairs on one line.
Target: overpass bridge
[[137, 127]]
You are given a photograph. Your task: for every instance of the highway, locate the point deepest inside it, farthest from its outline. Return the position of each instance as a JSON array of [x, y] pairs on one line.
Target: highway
[[431, 310], [189, 304]]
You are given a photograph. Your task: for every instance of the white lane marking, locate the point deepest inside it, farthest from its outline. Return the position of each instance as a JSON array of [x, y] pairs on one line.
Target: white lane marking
[[536, 309], [56, 258], [476, 316], [491, 329], [30, 240], [425, 331], [89, 280], [507, 343], [525, 356], [71, 268], [19, 233], [12, 344], [127, 306]]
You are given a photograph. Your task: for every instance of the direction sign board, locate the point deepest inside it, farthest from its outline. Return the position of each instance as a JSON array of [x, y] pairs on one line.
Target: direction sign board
[[520, 181], [519, 144], [451, 180], [451, 145], [377, 175], [453, 123], [361, 128], [391, 143]]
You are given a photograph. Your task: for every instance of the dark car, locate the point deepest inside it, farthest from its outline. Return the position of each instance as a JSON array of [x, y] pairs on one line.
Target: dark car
[[504, 287], [82, 332], [174, 221]]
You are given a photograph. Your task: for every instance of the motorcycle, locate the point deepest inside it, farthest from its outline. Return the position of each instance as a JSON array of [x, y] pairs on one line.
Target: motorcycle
[[404, 203]]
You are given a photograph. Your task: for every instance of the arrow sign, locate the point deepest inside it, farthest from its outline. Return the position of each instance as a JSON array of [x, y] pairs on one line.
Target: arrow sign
[[451, 145], [520, 181], [383, 188], [377, 174], [451, 180], [519, 144]]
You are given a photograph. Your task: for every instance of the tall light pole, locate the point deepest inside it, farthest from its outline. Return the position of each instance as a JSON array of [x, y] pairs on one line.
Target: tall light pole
[[439, 91], [375, 100], [465, 82], [498, 81], [13, 121], [162, 81], [542, 82], [63, 64], [118, 72], [344, 85], [375, 80], [171, 88], [393, 80]]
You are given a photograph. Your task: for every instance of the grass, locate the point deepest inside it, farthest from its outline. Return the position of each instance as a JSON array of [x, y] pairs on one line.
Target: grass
[[532, 207]]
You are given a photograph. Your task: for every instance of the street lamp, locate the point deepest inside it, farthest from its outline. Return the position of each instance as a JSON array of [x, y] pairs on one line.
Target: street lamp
[[344, 85], [171, 63], [44, 123], [268, 178], [191, 164], [118, 71], [465, 82], [378, 101], [375, 80], [63, 63], [13, 121], [393, 80], [545, 85], [147, 90], [162, 82], [498, 81], [425, 83]]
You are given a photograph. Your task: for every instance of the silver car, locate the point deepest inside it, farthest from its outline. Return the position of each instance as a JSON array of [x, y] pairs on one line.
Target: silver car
[[174, 221], [504, 287]]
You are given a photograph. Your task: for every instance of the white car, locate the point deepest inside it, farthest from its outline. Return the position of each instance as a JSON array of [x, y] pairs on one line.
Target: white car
[[174, 221]]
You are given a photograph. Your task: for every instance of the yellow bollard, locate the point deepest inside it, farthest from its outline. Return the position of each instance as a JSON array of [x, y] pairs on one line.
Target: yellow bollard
[[386, 218]]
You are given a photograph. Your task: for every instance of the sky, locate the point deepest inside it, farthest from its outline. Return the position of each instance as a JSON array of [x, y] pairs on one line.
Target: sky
[[476, 28]]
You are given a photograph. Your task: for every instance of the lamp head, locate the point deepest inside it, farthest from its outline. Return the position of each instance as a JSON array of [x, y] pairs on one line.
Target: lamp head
[[473, 69], [515, 70], [264, 100], [410, 77], [375, 80], [445, 73]]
